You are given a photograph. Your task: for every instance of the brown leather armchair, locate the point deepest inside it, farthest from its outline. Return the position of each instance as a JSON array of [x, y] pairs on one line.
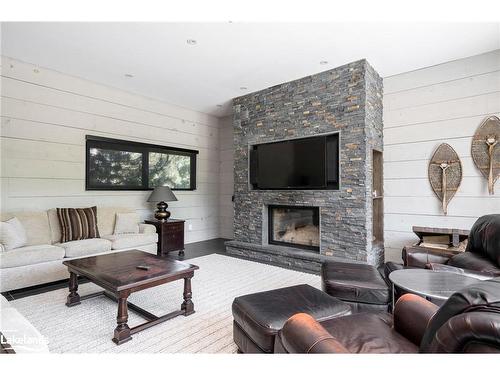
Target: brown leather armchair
[[469, 322], [481, 257]]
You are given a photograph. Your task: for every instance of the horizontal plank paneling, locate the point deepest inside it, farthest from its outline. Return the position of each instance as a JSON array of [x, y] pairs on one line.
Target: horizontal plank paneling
[[459, 206], [453, 70], [28, 92], [446, 91], [441, 130], [45, 118], [20, 109], [485, 104], [422, 109], [423, 150], [420, 187], [404, 222], [418, 168], [73, 85], [34, 130]]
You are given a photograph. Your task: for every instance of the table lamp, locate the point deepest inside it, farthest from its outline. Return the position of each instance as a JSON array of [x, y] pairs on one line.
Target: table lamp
[[162, 195]]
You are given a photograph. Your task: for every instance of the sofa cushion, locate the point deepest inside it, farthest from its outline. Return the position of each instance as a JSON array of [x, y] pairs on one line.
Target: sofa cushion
[[126, 223], [355, 282], [368, 333], [474, 262], [27, 255], [85, 247], [12, 234], [106, 218], [105, 221], [262, 315], [124, 241], [35, 223], [78, 223]]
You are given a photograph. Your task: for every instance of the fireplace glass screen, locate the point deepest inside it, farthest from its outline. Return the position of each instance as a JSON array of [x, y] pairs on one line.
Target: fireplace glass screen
[[294, 226]]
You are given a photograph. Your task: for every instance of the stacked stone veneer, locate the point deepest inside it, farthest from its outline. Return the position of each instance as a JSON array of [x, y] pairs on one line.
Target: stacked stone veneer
[[347, 99]]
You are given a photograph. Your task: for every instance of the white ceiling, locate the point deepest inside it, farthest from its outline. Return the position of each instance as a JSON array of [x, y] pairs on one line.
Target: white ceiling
[[228, 55]]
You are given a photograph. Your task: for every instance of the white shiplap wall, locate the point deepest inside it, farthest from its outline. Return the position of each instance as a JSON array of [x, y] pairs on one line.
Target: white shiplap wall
[[422, 109], [226, 176], [45, 116]]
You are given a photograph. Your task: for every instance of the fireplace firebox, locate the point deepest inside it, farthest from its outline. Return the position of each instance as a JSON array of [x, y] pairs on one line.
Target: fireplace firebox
[[295, 226]]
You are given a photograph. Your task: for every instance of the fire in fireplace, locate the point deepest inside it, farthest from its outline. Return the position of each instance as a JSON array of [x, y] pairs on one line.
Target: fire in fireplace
[[295, 226]]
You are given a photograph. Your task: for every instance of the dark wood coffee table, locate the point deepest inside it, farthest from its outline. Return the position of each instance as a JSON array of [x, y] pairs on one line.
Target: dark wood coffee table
[[118, 274]]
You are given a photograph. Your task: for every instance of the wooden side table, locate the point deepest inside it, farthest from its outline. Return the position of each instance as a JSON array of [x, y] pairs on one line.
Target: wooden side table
[[170, 235]]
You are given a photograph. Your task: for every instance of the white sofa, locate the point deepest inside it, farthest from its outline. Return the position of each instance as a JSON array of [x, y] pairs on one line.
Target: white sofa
[[19, 333], [40, 261]]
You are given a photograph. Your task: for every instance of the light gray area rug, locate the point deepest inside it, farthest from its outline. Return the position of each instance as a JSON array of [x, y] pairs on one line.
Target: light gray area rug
[[88, 328]]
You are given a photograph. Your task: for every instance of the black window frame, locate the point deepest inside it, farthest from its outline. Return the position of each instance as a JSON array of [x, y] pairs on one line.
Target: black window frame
[[92, 141]]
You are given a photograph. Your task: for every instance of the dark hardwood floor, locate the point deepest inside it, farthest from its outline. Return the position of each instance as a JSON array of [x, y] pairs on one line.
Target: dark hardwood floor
[[192, 250]]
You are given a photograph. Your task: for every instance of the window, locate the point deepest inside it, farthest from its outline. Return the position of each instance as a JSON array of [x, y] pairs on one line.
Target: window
[[113, 164]]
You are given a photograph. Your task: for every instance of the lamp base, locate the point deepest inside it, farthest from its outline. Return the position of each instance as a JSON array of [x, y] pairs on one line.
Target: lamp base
[[162, 213]]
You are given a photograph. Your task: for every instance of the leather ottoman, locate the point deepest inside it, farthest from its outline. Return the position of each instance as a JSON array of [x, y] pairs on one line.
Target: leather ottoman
[[360, 285], [258, 317]]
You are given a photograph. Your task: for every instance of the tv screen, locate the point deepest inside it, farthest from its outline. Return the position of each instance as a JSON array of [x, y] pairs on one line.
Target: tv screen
[[298, 164]]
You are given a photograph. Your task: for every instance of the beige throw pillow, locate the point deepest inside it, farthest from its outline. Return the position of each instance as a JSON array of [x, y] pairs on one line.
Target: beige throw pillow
[[126, 223], [12, 234]]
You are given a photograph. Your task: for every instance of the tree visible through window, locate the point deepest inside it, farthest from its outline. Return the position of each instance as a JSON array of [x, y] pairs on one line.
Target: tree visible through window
[[122, 165], [117, 168], [169, 170]]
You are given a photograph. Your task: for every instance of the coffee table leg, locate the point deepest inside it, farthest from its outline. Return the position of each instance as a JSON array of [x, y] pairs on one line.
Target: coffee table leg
[[73, 297], [393, 297], [187, 305], [122, 330]]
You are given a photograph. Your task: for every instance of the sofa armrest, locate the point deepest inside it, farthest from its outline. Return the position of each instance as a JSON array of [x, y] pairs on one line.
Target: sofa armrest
[[419, 257], [472, 332], [147, 228], [412, 313], [446, 268], [303, 334]]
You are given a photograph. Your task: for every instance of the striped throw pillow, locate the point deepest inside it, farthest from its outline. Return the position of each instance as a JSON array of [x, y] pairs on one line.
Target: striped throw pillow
[[78, 223]]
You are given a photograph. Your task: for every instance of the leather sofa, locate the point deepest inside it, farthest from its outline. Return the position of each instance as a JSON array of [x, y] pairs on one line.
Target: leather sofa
[[469, 322], [481, 256], [40, 261]]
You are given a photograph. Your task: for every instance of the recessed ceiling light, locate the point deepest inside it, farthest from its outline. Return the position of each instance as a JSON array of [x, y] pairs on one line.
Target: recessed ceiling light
[[128, 75], [243, 88], [191, 42], [323, 62]]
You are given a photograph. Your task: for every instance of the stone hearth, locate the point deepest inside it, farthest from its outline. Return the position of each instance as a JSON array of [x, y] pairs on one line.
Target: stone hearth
[[345, 100]]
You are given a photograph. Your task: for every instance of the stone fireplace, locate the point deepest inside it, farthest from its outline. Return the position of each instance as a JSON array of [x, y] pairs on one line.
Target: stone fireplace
[[302, 228]]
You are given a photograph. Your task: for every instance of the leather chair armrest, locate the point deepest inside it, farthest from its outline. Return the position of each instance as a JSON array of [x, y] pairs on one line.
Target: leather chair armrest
[[445, 268], [412, 313], [473, 332], [303, 334], [147, 228], [419, 257]]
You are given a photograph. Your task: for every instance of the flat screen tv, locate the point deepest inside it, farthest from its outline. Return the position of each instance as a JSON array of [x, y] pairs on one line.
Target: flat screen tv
[[301, 164]]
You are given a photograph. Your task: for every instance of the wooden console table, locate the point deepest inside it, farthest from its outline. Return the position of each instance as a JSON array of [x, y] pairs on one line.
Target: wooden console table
[[456, 235], [434, 254], [170, 235]]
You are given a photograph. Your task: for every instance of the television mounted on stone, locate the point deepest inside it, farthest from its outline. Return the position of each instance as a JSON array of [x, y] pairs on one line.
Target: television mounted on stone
[[296, 164]]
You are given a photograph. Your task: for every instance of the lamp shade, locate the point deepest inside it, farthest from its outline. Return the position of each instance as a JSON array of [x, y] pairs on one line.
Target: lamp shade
[[162, 194]]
